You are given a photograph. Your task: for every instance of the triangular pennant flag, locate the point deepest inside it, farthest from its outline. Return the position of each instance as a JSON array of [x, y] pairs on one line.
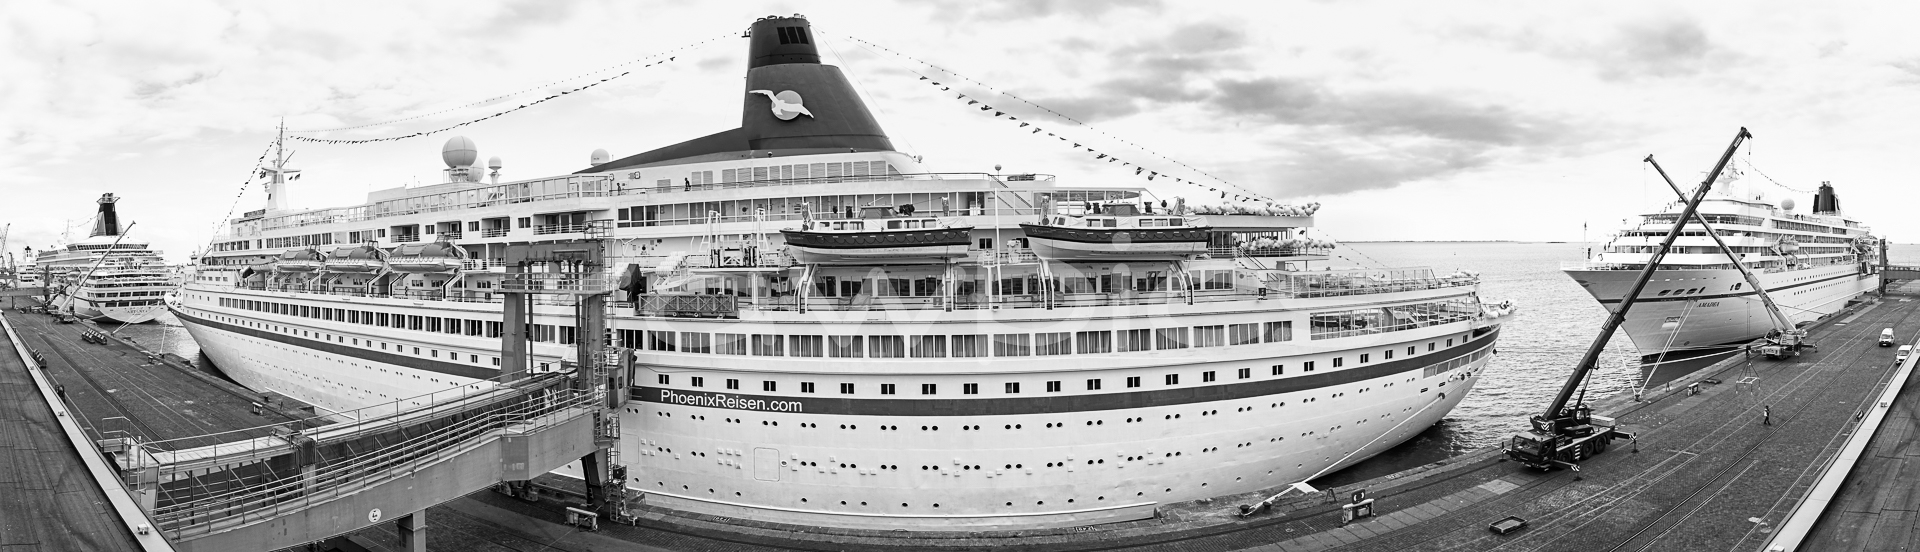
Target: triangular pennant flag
[[1138, 170], [1024, 125], [923, 78], [1076, 145], [971, 102], [986, 108], [1036, 131], [1101, 156]]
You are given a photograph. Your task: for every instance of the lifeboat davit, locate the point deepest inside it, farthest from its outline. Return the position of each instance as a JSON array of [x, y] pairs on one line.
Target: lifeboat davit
[[426, 257], [883, 238], [299, 261], [356, 259]]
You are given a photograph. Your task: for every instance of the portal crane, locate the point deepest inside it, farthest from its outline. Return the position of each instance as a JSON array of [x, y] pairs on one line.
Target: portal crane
[[1566, 435], [1786, 339]]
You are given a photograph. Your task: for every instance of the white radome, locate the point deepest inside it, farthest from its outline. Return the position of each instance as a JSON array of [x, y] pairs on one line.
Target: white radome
[[459, 152], [493, 162], [600, 157], [1786, 204]]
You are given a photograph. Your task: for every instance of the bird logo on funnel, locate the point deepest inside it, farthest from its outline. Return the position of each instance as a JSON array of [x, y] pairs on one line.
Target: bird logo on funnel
[[786, 104]]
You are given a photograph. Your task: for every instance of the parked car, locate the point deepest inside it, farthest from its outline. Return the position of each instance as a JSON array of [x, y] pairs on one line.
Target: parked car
[[1886, 337], [1903, 353]]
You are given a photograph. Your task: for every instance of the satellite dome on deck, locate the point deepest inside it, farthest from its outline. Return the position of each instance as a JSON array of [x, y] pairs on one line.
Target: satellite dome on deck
[[459, 152], [494, 162], [1786, 204], [600, 157]]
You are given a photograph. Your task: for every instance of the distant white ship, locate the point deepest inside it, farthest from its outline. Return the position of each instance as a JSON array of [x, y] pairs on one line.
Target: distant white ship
[[1698, 303], [107, 275]]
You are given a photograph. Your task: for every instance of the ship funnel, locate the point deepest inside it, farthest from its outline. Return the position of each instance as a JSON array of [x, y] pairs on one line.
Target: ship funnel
[[1825, 202], [794, 102], [108, 223]]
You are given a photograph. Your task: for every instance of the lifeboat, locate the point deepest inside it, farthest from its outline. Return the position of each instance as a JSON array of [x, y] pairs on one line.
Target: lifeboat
[[298, 261], [356, 259], [426, 257], [1118, 232], [882, 235]]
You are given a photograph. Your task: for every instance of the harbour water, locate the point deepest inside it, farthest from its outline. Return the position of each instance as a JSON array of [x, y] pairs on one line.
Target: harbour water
[[1538, 348]]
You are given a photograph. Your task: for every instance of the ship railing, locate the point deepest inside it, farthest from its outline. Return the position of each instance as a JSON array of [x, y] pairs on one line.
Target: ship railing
[[790, 303], [545, 229], [682, 186], [189, 510], [688, 305], [556, 283], [494, 232], [449, 236], [1224, 252], [483, 264], [1435, 320], [1006, 257], [406, 238]]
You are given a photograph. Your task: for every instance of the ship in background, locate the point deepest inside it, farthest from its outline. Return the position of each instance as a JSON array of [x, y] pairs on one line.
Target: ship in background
[[106, 276], [1699, 307], [827, 333]]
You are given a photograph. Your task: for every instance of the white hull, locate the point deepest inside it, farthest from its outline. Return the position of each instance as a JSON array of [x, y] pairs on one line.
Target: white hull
[[881, 255], [1718, 316], [1030, 476], [1071, 250], [124, 315]]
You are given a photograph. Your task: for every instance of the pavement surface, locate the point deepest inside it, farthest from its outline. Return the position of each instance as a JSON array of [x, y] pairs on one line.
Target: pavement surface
[[1878, 506], [119, 391], [48, 502]]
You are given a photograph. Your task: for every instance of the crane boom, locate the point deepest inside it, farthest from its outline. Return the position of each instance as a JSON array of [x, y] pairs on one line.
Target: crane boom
[[1780, 320], [1619, 316]]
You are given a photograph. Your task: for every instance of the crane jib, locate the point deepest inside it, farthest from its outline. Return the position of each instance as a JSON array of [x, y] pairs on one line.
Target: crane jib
[[1619, 315]]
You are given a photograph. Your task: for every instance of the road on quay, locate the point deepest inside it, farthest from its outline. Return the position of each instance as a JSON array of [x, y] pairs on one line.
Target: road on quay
[[48, 501]]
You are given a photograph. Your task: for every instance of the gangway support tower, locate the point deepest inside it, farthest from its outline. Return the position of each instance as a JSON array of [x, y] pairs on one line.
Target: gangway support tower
[[578, 270]]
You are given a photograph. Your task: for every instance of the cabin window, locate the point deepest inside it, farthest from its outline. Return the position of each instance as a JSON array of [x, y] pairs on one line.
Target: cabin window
[[1173, 379], [806, 345], [1170, 338], [928, 346], [1093, 342], [1308, 365], [886, 346], [1133, 381], [1011, 345], [1049, 344], [1279, 331], [1209, 336], [1135, 340], [806, 387], [1092, 385], [767, 345], [1013, 388], [733, 384], [844, 346], [1246, 373], [846, 389], [699, 381], [970, 346], [929, 389], [969, 388]]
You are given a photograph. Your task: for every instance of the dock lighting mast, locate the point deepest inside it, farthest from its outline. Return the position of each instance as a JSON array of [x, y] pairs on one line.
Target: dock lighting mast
[[1565, 435]]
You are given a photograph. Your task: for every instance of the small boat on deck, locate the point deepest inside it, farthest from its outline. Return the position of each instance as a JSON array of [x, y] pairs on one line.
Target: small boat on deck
[[426, 257], [879, 235], [1118, 230], [356, 259], [299, 261]]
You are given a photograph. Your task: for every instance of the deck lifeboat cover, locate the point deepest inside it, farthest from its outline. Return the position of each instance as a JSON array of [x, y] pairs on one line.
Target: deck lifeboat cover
[[435, 249], [427, 257], [298, 260], [355, 259]]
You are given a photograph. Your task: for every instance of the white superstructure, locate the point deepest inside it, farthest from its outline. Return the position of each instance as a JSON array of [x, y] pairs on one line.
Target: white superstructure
[[106, 275], [1811, 265], [988, 387]]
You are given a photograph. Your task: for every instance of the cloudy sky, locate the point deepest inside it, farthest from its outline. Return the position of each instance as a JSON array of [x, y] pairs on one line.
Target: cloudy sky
[[1407, 120]]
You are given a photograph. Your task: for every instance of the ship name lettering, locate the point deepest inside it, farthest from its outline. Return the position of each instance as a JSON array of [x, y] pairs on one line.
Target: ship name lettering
[[722, 400]]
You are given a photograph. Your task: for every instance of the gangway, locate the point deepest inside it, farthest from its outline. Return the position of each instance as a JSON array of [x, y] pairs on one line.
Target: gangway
[[296, 487], [303, 484]]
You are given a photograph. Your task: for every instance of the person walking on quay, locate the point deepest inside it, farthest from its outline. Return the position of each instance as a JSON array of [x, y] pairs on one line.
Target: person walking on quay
[[1766, 415]]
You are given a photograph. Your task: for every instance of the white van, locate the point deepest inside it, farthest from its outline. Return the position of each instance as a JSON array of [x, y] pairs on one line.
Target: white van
[[1901, 355], [1886, 337]]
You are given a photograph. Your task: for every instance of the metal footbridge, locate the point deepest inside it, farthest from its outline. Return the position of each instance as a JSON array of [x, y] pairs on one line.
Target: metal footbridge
[[296, 487]]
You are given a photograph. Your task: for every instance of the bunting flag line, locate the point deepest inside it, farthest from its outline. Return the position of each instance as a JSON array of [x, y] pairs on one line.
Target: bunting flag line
[[1247, 195], [258, 162], [519, 92], [444, 129]]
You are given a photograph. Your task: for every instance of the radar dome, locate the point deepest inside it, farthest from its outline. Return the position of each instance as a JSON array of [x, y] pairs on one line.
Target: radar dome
[[459, 152], [600, 157], [1786, 204], [493, 162]]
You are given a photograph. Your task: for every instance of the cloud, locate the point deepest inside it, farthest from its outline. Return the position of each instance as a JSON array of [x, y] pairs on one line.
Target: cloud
[[1308, 169], [1007, 10]]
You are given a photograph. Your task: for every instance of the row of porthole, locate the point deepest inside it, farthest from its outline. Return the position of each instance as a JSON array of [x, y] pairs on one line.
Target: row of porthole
[[804, 500]]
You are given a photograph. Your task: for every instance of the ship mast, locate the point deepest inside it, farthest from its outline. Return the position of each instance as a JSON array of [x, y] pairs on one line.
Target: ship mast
[[277, 188]]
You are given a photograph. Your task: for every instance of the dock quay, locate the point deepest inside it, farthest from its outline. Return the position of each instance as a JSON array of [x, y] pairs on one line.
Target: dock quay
[[188, 461], [1725, 455]]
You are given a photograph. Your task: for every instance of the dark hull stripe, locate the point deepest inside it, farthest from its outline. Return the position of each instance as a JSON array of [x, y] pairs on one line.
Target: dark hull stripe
[[1044, 404], [417, 363], [1728, 295]]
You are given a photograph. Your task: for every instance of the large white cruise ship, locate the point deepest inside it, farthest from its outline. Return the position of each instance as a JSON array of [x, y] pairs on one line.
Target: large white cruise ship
[[1699, 304], [826, 333], [106, 276]]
